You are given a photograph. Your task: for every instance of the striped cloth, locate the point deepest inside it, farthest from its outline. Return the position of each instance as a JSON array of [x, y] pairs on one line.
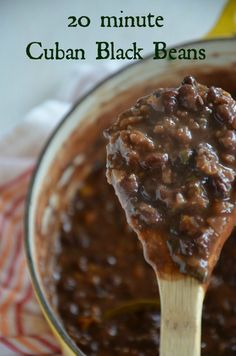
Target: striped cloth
[[23, 329]]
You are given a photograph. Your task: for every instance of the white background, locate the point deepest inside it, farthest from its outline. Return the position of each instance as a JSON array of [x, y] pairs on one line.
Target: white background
[[25, 83]]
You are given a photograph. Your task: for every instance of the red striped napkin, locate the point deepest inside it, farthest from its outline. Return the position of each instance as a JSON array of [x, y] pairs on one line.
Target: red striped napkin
[[23, 329]]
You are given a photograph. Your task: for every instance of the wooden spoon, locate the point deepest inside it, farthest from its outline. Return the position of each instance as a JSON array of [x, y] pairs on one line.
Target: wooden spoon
[[181, 314], [171, 161]]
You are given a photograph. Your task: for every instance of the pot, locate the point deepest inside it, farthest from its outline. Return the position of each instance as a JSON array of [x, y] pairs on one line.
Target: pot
[[62, 163]]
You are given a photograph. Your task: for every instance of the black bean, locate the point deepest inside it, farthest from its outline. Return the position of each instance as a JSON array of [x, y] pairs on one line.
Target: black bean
[[154, 160], [148, 214], [189, 80], [228, 140], [189, 98]]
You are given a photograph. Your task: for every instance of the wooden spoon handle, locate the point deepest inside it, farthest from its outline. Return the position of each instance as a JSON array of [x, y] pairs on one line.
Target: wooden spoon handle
[[181, 313]]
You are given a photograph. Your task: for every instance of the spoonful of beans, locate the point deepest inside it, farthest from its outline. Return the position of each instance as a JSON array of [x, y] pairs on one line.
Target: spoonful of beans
[[171, 159]]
